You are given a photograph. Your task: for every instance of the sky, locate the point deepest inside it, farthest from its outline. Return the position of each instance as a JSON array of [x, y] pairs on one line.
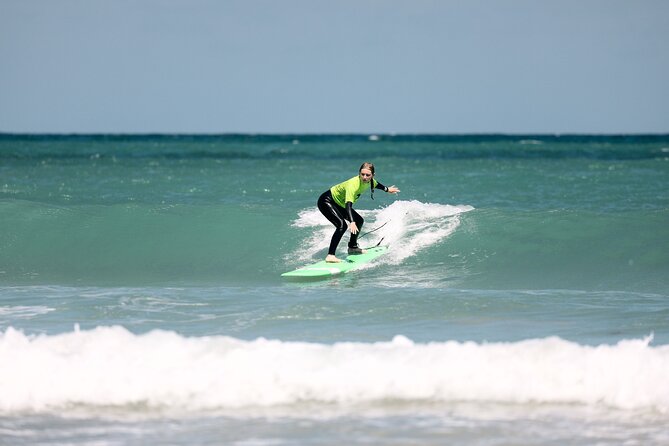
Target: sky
[[334, 66]]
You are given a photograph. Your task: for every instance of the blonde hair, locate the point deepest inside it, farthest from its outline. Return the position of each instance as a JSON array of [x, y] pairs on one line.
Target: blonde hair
[[369, 166]]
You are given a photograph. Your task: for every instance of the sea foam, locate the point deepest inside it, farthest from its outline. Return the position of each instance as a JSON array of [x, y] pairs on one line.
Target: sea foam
[[407, 226], [110, 366]]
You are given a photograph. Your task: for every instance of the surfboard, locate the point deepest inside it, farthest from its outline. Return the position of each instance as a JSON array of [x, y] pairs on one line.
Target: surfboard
[[324, 269]]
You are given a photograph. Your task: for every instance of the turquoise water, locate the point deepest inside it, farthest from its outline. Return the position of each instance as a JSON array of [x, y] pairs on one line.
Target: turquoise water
[[525, 290]]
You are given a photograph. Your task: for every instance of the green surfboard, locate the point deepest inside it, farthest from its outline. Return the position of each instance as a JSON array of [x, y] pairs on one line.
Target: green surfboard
[[324, 269]]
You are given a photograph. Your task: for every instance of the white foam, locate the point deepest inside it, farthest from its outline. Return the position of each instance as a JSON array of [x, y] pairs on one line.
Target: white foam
[[410, 226], [24, 312], [109, 366]]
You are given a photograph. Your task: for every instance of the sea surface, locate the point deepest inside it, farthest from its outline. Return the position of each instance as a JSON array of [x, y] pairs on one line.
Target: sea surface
[[524, 299]]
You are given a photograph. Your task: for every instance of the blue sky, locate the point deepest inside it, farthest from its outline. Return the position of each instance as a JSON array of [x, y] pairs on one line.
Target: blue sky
[[312, 66]]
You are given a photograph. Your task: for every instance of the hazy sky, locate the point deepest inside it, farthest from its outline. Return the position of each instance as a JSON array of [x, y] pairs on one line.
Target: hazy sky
[[368, 66]]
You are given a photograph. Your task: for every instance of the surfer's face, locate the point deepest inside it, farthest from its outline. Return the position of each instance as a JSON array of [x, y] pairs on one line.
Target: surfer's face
[[365, 175]]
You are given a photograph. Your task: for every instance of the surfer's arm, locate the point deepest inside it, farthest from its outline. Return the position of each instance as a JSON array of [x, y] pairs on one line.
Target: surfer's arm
[[391, 189], [349, 212]]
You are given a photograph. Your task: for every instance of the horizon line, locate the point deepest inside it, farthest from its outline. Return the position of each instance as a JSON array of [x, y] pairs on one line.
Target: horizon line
[[334, 134]]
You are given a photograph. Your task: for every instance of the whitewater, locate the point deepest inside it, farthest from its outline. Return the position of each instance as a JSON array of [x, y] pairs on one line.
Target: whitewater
[[406, 226], [109, 366]]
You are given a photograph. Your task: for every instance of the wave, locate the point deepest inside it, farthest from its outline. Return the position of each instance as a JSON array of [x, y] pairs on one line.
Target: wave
[[110, 366], [435, 244], [136, 243], [141, 244], [445, 245], [407, 226], [560, 249]]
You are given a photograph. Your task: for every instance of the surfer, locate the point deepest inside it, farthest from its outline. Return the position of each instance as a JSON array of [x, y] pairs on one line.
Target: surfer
[[337, 206]]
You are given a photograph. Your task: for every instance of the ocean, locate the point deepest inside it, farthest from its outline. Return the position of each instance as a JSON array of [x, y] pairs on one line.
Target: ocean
[[524, 299]]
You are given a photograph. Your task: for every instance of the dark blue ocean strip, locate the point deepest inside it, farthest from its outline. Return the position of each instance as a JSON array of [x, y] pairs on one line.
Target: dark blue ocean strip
[[330, 146]]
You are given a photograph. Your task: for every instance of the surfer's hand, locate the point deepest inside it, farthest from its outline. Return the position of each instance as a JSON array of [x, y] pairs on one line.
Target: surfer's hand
[[393, 190], [353, 228]]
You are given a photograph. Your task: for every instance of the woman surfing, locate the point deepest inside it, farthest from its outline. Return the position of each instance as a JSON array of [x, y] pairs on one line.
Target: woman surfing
[[336, 204]]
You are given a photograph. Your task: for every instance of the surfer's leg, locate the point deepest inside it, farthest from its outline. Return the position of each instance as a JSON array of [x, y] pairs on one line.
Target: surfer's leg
[[328, 208], [334, 242], [353, 242]]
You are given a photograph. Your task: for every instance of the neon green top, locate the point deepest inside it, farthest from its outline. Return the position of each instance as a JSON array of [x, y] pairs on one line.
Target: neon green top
[[350, 190]]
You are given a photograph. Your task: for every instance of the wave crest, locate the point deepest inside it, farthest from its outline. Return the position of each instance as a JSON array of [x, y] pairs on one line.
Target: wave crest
[[110, 366], [407, 226]]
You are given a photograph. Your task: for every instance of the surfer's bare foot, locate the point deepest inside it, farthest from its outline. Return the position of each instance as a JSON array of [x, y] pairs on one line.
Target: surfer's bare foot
[[332, 259]]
